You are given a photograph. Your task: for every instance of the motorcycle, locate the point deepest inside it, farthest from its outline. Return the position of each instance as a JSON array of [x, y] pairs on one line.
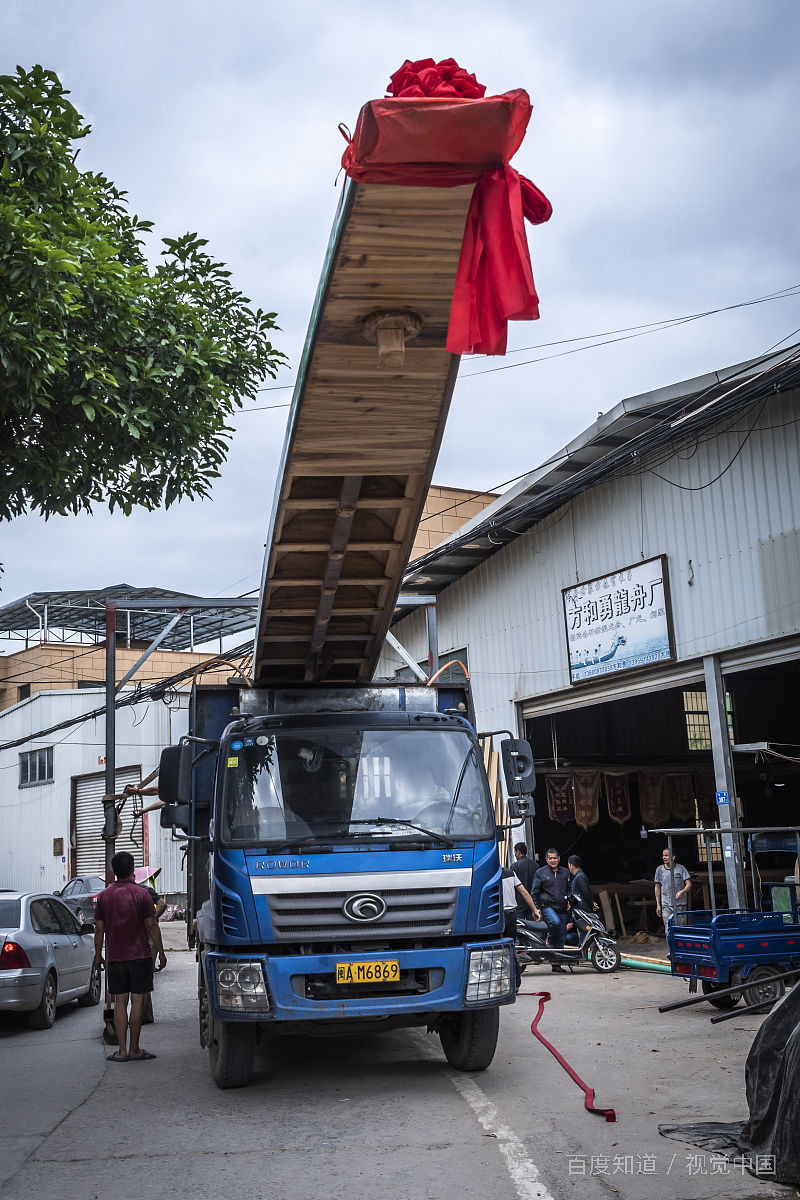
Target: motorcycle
[[587, 941]]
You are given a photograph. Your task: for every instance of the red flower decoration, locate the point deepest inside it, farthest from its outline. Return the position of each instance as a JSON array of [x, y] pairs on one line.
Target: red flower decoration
[[444, 80]]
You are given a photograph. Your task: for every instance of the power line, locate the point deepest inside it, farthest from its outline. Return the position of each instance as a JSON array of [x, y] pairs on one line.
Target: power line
[[137, 696], [631, 331]]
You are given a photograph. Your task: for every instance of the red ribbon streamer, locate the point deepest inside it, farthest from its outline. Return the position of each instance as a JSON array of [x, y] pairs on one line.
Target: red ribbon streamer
[[588, 1092], [440, 131]]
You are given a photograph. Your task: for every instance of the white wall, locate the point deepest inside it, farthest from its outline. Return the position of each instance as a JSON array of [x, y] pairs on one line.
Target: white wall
[[31, 817]]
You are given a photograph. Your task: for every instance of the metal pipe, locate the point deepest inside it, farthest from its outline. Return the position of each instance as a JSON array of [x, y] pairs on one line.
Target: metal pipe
[[645, 964], [725, 780], [109, 811], [712, 895], [433, 639], [729, 991]]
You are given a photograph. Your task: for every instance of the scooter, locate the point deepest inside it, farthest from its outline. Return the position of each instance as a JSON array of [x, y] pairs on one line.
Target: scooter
[[587, 941]]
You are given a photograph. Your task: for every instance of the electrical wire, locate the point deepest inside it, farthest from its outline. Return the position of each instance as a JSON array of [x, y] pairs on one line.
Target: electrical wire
[[642, 330], [702, 486], [154, 692]]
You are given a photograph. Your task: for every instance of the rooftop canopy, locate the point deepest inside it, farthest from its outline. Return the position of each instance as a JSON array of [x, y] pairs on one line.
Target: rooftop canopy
[[142, 614]]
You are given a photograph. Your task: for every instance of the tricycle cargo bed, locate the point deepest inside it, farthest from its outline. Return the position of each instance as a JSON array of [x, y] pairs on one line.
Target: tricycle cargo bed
[[710, 947]]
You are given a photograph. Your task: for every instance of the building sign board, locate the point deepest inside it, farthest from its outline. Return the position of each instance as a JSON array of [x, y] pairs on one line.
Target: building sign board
[[619, 622]]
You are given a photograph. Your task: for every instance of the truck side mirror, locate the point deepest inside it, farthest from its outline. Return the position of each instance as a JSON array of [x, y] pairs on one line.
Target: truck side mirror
[[176, 816], [518, 768], [175, 775]]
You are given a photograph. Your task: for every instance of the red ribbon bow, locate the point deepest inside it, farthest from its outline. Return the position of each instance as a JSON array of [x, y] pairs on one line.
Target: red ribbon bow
[[428, 78], [472, 137]]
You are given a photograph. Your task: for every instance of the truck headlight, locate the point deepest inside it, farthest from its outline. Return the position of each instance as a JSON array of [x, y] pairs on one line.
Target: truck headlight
[[241, 986], [488, 974]]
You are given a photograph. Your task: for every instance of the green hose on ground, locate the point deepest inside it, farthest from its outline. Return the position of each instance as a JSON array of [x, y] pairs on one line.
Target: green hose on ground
[[645, 964]]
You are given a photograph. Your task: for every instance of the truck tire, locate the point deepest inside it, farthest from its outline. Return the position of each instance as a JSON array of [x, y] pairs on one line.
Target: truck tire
[[231, 1050], [469, 1039], [44, 1015], [758, 991]]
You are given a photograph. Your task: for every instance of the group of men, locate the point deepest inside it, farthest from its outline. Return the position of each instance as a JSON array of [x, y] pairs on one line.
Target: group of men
[[549, 892]]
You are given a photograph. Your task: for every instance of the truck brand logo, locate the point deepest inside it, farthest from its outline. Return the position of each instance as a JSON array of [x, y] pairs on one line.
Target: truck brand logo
[[283, 864], [452, 857], [364, 907]]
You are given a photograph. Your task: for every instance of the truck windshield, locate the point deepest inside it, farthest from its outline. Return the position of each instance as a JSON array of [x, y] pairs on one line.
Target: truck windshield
[[344, 785]]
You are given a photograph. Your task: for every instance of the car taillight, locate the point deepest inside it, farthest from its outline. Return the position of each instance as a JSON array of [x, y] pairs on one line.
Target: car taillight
[[12, 957]]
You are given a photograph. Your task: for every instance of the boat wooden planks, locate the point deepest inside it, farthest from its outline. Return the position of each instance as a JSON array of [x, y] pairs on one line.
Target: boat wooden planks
[[363, 438]]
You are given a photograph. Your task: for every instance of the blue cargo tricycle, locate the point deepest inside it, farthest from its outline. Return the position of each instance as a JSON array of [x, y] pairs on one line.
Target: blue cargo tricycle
[[752, 947]]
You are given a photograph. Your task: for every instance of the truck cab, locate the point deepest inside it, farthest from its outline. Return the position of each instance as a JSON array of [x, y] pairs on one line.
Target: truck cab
[[353, 879]]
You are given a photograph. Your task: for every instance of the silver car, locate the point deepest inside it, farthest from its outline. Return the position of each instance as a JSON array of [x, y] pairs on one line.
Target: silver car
[[46, 957]]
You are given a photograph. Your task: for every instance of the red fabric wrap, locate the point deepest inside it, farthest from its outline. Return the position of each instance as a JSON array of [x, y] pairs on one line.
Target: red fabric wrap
[[430, 136]]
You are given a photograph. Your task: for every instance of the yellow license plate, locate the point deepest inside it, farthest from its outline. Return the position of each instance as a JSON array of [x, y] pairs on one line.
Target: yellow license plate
[[367, 972]]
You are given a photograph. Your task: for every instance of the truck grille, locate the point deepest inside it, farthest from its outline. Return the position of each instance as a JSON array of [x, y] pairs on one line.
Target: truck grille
[[318, 916]]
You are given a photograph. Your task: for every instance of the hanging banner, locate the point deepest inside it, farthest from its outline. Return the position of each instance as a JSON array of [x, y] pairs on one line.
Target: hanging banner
[[680, 796], [652, 798], [618, 797], [586, 785], [560, 803], [619, 622]]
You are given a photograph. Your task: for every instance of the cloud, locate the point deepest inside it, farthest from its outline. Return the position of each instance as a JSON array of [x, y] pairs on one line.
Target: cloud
[[663, 133]]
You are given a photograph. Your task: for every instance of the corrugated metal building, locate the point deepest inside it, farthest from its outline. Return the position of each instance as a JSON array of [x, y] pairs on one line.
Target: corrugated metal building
[[697, 484]]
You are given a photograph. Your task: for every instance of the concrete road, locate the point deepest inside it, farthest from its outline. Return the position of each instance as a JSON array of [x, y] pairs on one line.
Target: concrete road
[[381, 1117]]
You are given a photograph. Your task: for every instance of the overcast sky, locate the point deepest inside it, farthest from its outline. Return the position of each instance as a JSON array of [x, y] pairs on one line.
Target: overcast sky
[[664, 133]]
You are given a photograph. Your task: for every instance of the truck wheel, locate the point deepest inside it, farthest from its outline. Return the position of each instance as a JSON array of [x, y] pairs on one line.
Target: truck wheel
[[231, 1050], [758, 991], [44, 1015], [605, 957], [92, 997], [469, 1039], [726, 1003]]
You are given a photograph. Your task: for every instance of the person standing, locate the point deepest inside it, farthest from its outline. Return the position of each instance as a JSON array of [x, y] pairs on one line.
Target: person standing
[[524, 868], [549, 893], [665, 904], [514, 892], [125, 918], [580, 891]]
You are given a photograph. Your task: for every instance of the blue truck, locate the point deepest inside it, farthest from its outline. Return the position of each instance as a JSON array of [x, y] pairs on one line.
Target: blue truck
[[343, 868]]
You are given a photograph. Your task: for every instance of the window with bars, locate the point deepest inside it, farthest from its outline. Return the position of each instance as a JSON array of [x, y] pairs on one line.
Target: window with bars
[[36, 766], [698, 726]]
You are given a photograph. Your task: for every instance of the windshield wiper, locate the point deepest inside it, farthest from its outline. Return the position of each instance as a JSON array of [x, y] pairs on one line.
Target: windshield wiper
[[437, 837], [310, 839]]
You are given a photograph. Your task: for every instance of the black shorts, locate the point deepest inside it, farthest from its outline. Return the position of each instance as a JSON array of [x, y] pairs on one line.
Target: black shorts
[[130, 975]]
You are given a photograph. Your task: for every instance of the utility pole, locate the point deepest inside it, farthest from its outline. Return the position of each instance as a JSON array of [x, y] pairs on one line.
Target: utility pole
[[109, 808]]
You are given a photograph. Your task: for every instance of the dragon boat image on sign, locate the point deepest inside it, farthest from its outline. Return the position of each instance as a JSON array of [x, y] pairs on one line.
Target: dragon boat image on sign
[[619, 622]]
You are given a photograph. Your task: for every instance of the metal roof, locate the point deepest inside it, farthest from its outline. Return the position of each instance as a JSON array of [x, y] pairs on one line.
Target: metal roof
[[141, 614], [615, 444]]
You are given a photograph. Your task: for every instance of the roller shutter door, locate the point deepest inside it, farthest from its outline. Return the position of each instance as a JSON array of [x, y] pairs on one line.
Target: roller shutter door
[[90, 849]]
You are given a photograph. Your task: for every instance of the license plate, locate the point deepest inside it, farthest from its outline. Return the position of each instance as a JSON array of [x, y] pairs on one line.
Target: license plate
[[367, 972]]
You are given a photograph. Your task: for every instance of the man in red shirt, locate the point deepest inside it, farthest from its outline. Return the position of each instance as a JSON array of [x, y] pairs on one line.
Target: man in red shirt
[[125, 916]]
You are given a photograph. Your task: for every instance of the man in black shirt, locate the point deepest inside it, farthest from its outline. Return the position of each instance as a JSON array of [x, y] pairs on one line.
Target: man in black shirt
[[580, 893], [549, 892], [524, 868]]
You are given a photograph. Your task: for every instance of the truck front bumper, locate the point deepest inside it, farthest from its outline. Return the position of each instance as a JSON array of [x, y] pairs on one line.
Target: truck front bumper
[[257, 986]]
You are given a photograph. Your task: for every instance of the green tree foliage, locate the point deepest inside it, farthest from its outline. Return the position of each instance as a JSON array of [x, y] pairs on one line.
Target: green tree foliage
[[116, 379]]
